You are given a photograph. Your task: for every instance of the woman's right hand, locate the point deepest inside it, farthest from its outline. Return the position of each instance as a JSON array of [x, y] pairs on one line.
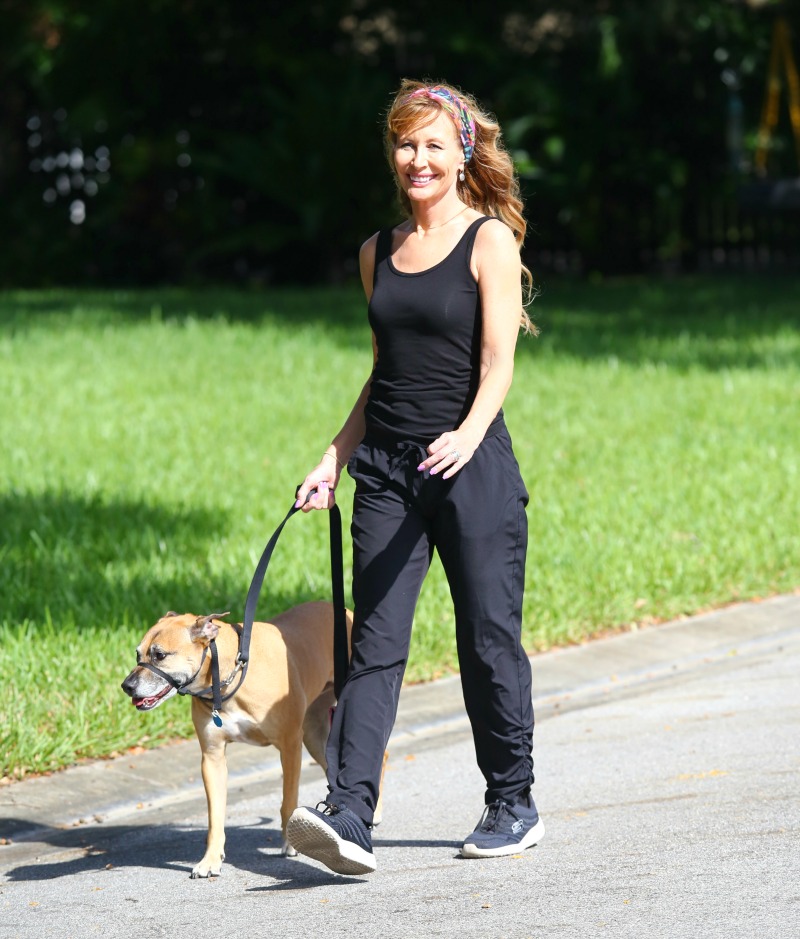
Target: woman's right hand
[[324, 478]]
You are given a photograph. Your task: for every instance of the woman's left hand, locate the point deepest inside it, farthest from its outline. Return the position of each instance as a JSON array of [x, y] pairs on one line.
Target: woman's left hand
[[449, 453]]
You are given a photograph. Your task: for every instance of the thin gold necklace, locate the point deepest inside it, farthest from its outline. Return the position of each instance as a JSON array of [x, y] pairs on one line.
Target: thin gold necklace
[[442, 224]]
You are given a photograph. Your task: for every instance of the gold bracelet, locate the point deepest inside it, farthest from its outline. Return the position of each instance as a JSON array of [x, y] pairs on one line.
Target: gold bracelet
[[334, 457]]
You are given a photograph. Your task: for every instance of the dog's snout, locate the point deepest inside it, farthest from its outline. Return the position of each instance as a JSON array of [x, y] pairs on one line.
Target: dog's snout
[[128, 685]]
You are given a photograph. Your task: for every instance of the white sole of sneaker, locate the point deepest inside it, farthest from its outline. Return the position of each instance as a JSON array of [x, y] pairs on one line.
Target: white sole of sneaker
[[316, 839], [532, 837]]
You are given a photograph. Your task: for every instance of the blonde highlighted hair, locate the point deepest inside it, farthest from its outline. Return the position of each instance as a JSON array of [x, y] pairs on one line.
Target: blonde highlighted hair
[[490, 186]]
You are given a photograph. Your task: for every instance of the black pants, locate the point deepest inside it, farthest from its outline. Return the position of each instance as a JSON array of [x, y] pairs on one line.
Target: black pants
[[476, 521]]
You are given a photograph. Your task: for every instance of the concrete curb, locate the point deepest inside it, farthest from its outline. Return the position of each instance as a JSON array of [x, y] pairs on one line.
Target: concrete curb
[[564, 679]]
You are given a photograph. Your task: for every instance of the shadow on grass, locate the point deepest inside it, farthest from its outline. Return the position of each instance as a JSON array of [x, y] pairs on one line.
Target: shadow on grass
[[339, 312], [693, 322], [700, 321], [101, 561]]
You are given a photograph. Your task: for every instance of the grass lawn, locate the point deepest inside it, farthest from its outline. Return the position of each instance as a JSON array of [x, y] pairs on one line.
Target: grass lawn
[[152, 441]]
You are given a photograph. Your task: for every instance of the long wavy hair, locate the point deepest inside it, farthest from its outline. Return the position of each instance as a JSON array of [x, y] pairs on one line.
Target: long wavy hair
[[490, 186]]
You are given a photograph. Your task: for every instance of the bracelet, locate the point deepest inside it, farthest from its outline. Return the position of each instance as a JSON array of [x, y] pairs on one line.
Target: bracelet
[[334, 457]]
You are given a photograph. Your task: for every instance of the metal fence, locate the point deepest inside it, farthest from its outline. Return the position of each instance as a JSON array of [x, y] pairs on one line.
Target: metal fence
[[717, 233]]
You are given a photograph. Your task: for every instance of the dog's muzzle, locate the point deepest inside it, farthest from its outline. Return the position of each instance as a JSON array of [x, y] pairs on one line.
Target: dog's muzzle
[[173, 684], [146, 702]]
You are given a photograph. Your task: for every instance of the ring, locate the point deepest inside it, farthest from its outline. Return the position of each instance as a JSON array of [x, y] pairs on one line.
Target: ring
[[456, 455]]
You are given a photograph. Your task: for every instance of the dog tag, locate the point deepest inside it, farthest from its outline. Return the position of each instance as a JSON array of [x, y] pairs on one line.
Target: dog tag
[[216, 718]]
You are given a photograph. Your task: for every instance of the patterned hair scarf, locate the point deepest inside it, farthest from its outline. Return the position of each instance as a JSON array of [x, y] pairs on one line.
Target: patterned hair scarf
[[456, 108]]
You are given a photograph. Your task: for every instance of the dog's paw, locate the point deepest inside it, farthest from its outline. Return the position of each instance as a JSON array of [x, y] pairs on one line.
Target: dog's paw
[[208, 867], [287, 850]]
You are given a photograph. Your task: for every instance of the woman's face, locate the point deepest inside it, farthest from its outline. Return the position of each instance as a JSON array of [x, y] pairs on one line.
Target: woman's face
[[428, 160]]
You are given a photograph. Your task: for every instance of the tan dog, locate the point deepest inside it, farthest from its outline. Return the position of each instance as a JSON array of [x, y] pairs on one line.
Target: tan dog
[[284, 700]]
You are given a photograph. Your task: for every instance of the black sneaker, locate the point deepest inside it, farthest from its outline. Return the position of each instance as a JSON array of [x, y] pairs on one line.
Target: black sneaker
[[335, 836], [505, 829]]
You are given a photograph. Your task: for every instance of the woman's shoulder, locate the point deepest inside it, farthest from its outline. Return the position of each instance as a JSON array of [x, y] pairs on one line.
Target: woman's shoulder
[[366, 261], [494, 232], [369, 245], [495, 248], [494, 238]]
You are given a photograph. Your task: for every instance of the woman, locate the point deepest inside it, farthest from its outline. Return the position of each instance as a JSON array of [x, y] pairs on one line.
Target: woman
[[432, 460]]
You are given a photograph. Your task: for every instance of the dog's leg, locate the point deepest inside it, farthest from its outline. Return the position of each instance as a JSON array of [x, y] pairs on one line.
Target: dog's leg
[[291, 762], [215, 779], [378, 816], [317, 725]]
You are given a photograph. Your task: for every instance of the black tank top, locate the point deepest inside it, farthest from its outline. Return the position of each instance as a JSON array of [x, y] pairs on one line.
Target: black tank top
[[428, 331]]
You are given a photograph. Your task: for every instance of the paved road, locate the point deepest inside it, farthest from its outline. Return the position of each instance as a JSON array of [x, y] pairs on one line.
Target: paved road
[[668, 767]]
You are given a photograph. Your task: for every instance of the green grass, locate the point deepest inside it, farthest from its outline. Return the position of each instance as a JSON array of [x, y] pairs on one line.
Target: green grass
[[152, 440]]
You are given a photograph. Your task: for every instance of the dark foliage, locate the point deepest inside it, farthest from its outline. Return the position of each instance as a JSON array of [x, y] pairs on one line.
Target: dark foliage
[[190, 140]]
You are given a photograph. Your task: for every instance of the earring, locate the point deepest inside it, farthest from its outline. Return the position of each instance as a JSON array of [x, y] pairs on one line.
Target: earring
[[461, 176]]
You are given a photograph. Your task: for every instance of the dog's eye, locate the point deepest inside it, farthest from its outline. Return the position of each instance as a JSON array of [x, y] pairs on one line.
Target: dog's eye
[[158, 655]]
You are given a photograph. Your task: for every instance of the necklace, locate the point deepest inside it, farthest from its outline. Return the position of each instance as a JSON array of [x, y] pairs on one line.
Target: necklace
[[442, 224]]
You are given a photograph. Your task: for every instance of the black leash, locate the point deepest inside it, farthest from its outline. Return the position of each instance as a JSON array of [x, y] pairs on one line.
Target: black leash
[[341, 655]]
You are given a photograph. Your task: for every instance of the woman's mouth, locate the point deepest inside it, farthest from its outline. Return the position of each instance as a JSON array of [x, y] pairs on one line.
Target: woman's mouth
[[421, 180]]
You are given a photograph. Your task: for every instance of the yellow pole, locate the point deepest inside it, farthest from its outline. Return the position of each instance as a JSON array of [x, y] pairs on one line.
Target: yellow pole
[[780, 53], [793, 81], [769, 112]]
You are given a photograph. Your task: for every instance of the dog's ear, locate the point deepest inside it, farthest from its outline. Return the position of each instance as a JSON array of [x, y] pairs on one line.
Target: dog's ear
[[170, 613], [205, 629]]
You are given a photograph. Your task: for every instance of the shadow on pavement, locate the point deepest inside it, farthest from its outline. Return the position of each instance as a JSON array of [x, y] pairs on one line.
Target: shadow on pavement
[[171, 846], [251, 848]]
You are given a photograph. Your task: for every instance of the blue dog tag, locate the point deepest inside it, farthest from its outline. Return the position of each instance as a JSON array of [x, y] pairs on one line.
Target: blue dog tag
[[216, 718]]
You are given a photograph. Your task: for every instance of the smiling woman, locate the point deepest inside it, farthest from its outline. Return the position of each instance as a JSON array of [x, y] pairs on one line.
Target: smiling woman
[[450, 130], [427, 445], [426, 160]]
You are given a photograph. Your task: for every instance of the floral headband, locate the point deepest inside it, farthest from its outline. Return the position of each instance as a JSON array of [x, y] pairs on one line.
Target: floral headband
[[456, 108]]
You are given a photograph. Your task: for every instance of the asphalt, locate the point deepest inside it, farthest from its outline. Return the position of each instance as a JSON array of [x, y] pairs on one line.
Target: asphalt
[[668, 775]]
